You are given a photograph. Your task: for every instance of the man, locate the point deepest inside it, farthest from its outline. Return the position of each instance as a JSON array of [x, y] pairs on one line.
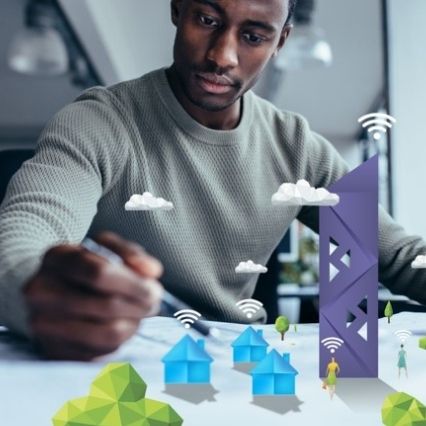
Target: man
[[195, 135]]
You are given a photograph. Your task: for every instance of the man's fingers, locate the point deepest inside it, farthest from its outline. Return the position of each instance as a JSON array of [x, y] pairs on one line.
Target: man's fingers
[[100, 338], [132, 254], [48, 294], [69, 260], [66, 300], [54, 349], [82, 305], [155, 297], [79, 266]]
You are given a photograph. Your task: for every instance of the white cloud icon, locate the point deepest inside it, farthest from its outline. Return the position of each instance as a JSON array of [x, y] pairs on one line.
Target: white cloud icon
[[147, 201], [250, 267], [419, 262], [303, 194]]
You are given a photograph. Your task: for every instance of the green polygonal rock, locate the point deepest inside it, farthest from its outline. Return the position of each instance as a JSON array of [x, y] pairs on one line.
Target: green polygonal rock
[[119, 381], [82, 411], [401, 409], [117, 398], [159, 412], [422, 342]]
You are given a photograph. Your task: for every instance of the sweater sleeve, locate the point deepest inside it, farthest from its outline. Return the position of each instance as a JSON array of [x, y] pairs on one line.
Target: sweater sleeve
[[397, 249], [53, 197]]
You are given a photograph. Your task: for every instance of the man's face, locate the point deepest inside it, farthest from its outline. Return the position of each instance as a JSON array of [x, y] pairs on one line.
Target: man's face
[[222, 46]]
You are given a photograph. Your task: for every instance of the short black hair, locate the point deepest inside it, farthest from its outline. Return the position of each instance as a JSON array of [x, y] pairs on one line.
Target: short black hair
[[291, 7]]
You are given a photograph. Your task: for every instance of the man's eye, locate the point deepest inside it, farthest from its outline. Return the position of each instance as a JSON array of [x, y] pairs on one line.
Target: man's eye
[[208, 21], [253, 39]]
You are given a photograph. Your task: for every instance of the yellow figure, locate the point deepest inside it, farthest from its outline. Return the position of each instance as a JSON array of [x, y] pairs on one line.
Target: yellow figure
[[333, 369]]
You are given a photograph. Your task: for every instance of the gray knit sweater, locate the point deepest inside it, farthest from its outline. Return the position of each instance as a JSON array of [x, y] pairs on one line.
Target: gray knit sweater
[[135, 137]]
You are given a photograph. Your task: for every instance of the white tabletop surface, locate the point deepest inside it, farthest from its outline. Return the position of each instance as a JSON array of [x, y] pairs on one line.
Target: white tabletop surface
[[32, 390]]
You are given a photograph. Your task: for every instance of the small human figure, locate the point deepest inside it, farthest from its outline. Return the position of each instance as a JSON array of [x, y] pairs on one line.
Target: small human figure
[[333, 369], [402, 361]]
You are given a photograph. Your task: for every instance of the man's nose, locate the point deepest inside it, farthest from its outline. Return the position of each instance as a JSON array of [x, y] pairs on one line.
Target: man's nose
[[223, 51]]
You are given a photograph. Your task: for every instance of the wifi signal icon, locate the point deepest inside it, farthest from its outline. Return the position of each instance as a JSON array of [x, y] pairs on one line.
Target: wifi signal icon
[[187, 317], [332, 343], [403, 335], [377, 123], [249, 306]]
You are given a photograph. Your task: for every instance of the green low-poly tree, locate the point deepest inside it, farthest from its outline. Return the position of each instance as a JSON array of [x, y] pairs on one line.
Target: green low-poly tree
[[117, 397], [388, 311], [282, 324]]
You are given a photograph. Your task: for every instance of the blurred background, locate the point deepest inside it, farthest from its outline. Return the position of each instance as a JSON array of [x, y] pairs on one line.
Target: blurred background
[[344, 59]]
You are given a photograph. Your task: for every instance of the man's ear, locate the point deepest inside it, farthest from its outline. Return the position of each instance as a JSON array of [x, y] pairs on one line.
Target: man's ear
[[176, 6], [283, 37]]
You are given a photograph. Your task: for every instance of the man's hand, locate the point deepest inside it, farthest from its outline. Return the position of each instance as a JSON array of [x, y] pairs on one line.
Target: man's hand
[[82, 306]]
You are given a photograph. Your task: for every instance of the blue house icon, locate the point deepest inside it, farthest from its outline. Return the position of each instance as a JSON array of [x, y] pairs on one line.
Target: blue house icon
[[187, 362], [249, 346], [274, 375]]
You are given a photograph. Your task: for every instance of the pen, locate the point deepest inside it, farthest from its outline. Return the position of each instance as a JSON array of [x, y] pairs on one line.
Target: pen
[[169, 304]]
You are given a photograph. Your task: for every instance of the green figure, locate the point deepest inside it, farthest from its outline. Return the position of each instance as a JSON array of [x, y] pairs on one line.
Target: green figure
[[333, 369], [402, 361]]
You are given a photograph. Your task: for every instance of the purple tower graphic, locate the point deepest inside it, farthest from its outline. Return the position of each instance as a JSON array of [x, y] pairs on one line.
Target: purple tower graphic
[[349, 273]]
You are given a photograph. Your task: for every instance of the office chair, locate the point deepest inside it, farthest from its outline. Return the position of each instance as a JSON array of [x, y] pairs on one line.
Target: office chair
[[10, 161]]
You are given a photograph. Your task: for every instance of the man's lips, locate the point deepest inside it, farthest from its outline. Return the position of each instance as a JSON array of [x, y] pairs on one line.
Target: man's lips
[[213, 83]]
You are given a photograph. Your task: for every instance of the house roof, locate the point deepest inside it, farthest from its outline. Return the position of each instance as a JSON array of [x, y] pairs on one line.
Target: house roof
[[187, 349], [250, 337], [274, 363]]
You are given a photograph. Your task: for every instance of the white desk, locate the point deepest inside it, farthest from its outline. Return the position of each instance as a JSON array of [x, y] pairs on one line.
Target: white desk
[[31, 391]]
